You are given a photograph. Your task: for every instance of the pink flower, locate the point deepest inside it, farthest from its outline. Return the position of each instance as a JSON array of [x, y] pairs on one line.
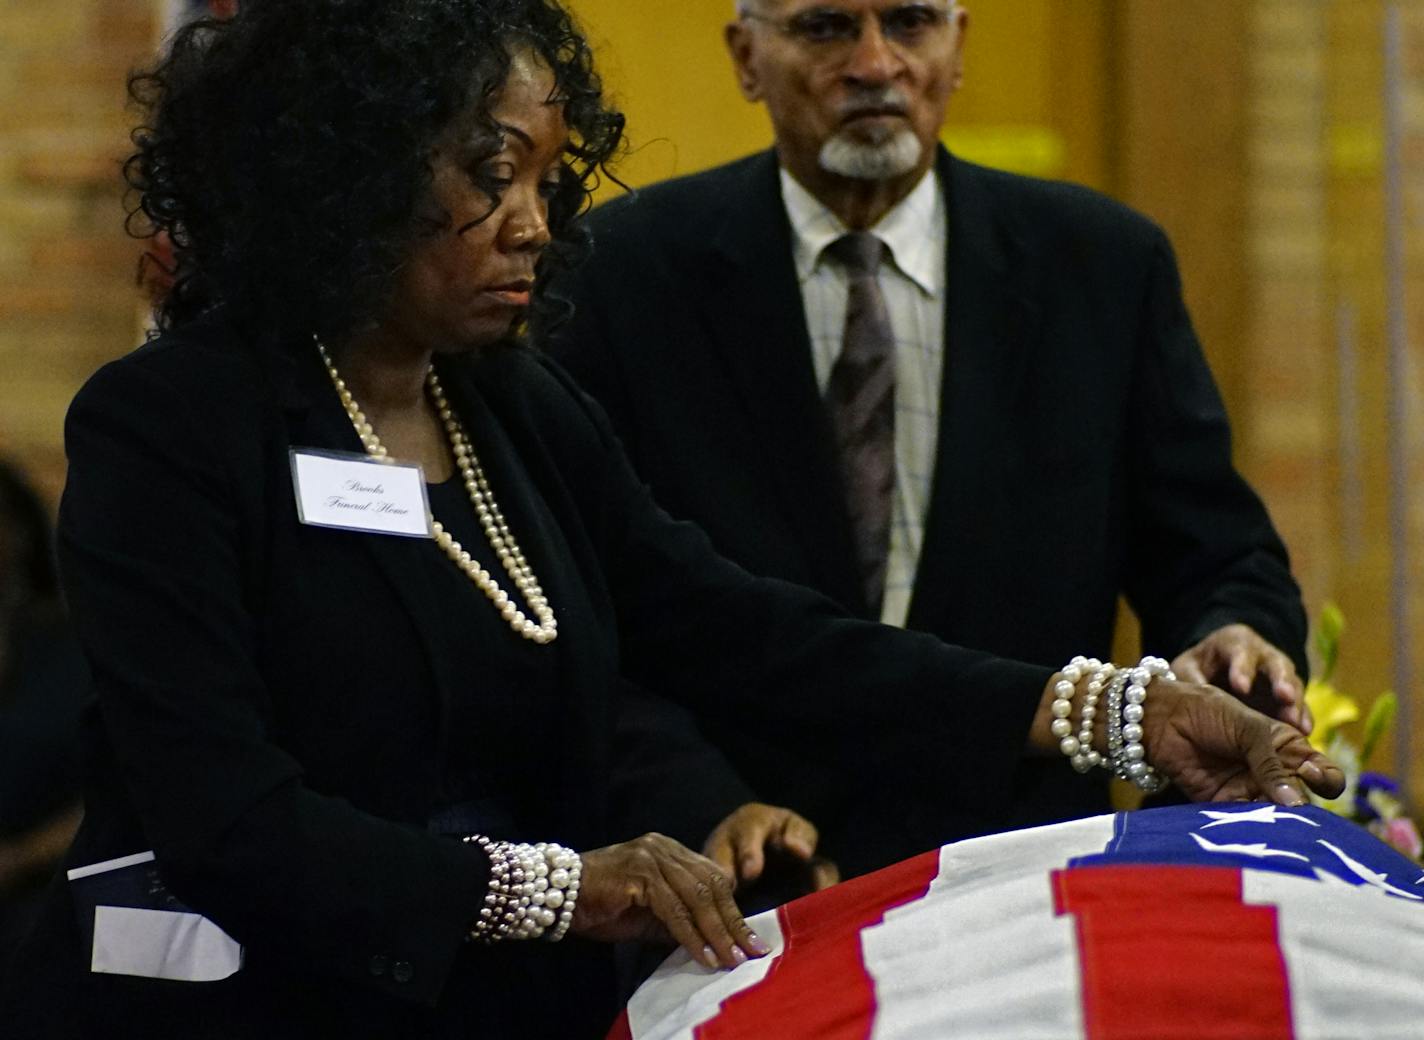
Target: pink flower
[[1401, 834]]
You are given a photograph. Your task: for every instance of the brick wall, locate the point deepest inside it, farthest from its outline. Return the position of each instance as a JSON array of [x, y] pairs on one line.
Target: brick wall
[[67, 296]]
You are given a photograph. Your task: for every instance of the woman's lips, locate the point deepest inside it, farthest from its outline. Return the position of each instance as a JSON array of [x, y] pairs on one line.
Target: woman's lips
[[512, 297], [516, 294]]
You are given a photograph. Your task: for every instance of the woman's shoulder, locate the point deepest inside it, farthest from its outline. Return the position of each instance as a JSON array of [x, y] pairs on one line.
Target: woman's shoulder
[[195, 398], [203, 369]]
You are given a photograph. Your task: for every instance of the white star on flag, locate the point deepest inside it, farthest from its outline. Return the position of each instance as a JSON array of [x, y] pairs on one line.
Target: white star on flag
[[1368, 876], [1260, 814], [1260, 850]]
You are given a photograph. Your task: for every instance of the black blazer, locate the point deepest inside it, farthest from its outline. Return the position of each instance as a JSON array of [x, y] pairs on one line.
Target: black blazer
[[275, 699], [1083, 448]]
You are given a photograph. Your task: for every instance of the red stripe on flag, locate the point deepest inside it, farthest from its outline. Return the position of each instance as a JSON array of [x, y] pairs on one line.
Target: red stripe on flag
[[819, 988], [621, 1028], [1175, 954]]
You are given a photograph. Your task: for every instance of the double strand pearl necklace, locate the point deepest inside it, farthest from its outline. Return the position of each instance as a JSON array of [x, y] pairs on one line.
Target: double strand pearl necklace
[[545, 629]]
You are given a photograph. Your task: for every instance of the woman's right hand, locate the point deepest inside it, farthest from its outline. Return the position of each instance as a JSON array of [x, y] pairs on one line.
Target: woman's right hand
[[1216, 748], [654, 888], [1213, 746]]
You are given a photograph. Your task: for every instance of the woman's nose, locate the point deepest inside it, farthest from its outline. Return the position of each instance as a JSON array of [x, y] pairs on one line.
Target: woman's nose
[[527, 225]]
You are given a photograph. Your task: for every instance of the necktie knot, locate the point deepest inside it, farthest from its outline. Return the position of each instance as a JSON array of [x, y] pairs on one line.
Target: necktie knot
[[860, 252]]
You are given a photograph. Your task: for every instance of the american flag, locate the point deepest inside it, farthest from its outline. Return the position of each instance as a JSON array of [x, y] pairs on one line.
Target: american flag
[[1234, 921]]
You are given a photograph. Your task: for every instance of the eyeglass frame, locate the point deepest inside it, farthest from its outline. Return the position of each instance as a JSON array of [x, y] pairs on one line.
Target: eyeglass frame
[[786, 26]]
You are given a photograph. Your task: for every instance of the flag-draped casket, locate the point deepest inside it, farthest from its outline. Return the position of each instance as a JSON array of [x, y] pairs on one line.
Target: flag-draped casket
[[1237, 922]]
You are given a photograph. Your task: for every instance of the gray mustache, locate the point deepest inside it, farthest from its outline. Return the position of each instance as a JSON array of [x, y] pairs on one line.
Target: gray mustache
[[889, 101]]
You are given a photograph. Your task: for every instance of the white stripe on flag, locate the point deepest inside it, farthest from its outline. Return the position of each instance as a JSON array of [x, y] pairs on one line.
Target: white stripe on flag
[[983, 954], [683, 994], [1352, 956]]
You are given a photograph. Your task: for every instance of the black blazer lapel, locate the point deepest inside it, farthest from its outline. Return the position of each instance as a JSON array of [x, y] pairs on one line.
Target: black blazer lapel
[[315, 418], [753, 306], [991, 327], [487, 396]]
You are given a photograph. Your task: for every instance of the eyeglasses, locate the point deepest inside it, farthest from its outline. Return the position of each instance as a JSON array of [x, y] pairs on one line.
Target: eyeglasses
[[908, 24]]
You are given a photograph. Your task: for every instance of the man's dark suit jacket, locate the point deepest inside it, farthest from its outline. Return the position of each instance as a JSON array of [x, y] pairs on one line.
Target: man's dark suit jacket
[[1083, 447], [284, 709]]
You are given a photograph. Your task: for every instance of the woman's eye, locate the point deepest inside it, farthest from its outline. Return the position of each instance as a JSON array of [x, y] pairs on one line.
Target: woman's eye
[[498, 175], [556, 180]]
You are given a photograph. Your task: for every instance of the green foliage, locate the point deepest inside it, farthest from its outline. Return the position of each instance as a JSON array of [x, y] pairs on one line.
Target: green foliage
[[1382, 713], [1328, 629]]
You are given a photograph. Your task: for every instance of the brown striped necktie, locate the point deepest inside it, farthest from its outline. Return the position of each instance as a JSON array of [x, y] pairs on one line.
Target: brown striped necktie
[[861, 401]]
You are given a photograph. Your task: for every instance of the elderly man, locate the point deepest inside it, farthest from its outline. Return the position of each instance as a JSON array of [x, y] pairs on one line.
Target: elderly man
[[949, 397]]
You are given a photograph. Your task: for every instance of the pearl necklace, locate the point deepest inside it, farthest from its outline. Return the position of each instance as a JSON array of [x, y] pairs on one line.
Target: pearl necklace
[[486, 511]]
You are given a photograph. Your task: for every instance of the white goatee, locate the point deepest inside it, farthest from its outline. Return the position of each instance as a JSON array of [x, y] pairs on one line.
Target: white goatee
[[894, 156]]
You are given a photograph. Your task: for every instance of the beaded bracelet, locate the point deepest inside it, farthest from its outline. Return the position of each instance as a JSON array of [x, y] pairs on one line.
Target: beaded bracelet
[[1079, 749], [532, 889], [1126, 694], [1088, 757], [1115, 725], [1062, 707], [1131, 761]]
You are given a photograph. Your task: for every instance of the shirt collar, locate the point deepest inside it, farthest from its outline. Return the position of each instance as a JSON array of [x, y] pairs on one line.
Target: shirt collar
[[908, 230]]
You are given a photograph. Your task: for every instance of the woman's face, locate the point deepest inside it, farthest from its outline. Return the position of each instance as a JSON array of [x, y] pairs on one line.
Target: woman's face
[[466, 285]]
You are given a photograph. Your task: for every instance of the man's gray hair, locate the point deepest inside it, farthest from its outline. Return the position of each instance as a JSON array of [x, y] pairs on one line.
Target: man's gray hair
[[744, 7]]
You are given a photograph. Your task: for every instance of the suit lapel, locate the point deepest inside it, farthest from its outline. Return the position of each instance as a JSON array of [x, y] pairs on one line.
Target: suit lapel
[[315, 418], [488, 398], [991, 327], [753, 307]]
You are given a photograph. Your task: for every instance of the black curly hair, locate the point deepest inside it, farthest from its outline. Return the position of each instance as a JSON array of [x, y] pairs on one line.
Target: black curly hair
[[286, 152]]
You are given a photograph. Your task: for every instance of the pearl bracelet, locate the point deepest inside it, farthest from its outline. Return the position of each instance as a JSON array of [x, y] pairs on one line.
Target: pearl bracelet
[[1126, 694], [1079, 749], [1130, 761], [532, 889], [1088, 757]]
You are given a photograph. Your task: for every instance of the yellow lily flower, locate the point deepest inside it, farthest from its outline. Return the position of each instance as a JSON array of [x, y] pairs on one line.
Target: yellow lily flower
[[1331, 708]]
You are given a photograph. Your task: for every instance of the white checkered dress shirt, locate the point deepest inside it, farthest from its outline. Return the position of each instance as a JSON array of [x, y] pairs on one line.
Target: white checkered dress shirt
[[913, 282]]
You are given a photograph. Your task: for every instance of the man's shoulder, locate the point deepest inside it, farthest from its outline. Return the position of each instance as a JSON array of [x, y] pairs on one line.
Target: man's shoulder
[[1040, 208], [684, 207]]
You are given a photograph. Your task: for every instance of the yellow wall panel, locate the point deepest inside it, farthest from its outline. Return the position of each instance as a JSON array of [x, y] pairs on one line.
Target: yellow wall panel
[[665, 66]]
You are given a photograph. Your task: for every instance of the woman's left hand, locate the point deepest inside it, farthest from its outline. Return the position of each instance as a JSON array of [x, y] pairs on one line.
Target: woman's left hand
[[1215, 748], [652, 888]]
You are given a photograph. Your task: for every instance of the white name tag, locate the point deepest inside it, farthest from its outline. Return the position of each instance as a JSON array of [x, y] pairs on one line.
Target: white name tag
[[349, 491]]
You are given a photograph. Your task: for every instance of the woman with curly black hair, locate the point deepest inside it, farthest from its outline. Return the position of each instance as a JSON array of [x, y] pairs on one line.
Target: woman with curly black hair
[[359, 576]]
